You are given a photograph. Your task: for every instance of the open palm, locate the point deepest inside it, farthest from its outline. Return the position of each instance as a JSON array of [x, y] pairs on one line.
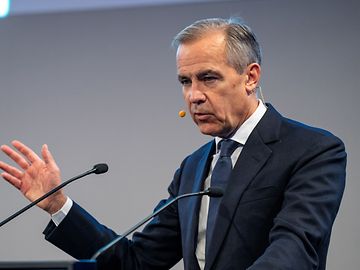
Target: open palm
[[36, 177]]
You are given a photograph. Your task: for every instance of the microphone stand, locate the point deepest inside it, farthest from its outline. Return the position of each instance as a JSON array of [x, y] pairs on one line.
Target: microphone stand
[[213, 192]]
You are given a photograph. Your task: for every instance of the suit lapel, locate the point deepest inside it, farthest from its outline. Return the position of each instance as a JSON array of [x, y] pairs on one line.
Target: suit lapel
[[252, 158], [193, 203]]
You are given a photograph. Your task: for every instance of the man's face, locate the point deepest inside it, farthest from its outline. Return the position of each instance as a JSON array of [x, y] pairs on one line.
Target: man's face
[[218, 97]]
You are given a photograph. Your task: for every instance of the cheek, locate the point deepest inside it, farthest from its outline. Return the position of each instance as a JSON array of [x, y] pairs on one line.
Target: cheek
[[219, 107], [186, 96], [188, 105]]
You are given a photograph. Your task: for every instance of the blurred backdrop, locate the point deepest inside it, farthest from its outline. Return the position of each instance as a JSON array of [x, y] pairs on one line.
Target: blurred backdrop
[[98, 84]]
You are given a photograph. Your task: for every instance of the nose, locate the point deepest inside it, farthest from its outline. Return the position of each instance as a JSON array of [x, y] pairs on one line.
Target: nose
[[195, 95]]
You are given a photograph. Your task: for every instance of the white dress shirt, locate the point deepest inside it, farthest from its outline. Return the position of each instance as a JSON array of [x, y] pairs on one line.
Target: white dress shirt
[[241, 136]]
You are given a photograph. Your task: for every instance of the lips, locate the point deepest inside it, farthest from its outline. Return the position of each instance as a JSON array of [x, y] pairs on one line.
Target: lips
[[202, 116]]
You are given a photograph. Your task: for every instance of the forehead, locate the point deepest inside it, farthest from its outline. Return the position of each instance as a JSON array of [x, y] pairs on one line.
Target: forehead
[[208, 51]]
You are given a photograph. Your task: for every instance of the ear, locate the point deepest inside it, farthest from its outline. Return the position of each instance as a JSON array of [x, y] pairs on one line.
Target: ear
[[253, 73]]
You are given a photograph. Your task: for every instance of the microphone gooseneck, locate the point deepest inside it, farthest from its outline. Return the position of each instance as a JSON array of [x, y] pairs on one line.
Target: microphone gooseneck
[[97, 169], [211, 192]]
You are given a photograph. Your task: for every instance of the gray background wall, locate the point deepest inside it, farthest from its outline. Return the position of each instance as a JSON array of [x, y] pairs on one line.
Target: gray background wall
[[97, 85]]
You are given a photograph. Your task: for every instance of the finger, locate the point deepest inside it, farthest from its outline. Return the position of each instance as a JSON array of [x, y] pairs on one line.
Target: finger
[[12, 180], [46, 154], [15, 156], [26, 151], [11, 170]]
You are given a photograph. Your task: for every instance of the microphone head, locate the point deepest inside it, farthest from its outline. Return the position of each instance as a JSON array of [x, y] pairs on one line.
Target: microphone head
[[182, 114], [100, 168], [215, 192]]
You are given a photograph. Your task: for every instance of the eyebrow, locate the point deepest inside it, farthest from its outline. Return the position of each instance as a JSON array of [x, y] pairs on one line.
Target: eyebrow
[[201, 74], [204, 73], [181, 77]]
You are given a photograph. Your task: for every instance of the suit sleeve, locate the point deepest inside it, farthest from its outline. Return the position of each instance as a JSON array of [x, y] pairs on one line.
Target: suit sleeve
[[158, 246], [301, 230]]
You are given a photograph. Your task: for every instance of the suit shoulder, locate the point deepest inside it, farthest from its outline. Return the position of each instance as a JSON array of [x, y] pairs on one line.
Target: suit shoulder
[[309, 133], [300, 127]]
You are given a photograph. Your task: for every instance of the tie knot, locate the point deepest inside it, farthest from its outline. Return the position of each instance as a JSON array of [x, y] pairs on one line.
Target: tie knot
[[227, 147]]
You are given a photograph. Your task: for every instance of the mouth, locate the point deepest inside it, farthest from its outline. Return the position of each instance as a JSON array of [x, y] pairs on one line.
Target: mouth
[[202, 116]]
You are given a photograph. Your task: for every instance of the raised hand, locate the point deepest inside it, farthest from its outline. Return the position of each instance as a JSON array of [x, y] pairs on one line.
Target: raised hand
[[36, 177]]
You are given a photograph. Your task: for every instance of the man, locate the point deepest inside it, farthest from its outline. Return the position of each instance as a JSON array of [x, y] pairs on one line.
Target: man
[[283, 181]]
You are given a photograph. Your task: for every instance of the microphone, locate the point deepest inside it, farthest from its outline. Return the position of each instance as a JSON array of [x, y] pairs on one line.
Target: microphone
[[215, 192], [97, 169], [100, 168], [182, 113], [211, 192]]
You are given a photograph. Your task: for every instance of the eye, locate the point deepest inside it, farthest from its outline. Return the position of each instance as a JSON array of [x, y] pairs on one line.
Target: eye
[[184, 81], [209, 78]]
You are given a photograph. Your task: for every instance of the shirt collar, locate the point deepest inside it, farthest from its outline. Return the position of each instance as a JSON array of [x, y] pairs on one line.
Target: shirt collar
[[244, 131]]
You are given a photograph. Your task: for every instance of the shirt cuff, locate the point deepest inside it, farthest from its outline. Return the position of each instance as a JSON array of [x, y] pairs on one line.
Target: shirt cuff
[[61, 214]]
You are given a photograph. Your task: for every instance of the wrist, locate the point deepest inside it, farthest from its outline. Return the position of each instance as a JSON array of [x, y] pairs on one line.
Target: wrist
[[56, 203]]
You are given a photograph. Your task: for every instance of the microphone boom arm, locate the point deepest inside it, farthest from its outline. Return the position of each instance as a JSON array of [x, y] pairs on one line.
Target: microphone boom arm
[[97, 169], [155, 213]]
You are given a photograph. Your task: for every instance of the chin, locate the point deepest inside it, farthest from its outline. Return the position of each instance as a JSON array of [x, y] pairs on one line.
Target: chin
[[215, 131], [209, 130]]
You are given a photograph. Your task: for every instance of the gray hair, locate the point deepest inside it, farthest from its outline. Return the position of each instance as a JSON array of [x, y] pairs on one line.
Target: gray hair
[[242, 47]]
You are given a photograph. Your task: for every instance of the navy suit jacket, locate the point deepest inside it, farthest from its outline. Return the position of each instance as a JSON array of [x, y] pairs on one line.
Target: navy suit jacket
[[276, 213]]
